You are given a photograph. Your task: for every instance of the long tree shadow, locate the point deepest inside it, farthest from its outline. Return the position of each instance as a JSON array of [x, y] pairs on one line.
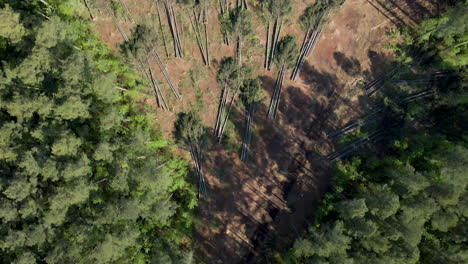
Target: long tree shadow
[[407, 12], [349, 65]]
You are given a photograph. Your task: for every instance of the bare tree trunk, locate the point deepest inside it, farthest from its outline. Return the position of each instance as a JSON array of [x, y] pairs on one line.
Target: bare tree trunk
[[305, 44], [116, 22], [197, 36], [272, 45], [276, 33], [161, 29], [165, 73], [280, 86], [229, 107], [301, 53], [265, 63], [178, 35], [273, 109], [248, 132], [207, 45], [127, 10], [89, 9], [220, 114], [159, 96], [45, 3], [173, 28], [309, 47], [239, 51]]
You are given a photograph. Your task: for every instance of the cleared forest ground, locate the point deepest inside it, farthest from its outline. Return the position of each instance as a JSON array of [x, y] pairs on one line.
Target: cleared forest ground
[[272, 196]]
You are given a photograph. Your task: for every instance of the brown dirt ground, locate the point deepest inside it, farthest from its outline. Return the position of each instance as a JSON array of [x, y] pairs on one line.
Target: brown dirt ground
[[272, 197]]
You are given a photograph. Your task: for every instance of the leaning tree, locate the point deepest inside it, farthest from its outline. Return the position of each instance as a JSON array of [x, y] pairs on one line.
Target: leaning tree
[[274, 11], [251, 95], [191, 134], [230, 78], [286, 53], [237, 24]]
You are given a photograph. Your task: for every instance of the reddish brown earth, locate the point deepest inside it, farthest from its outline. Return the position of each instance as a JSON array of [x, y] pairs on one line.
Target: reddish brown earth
[[271, 198]]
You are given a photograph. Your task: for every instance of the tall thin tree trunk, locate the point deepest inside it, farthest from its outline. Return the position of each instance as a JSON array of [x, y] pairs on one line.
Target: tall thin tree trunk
[[166, 74], [207, 45], [127, 10], [161, 29], [197, 36], [116, 22], [159, 96], [272, 110], [272, 45], [229, 107], [178, 35], [89, 9], [173, 28], [248, 132], [276, 33], [239, 51], [265, 63], [222, 103]]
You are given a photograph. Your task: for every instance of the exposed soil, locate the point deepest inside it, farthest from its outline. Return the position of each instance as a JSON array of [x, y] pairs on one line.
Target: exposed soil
[[271, 198]]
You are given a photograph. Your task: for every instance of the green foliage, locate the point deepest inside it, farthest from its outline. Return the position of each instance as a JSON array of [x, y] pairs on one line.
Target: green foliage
[[143, 37], [85, 177], [189, 130], [118, 9], [447, 36], [10, 26], [231, 75], [313, 14], [237, 23], [399, 216], [286, 51], [251, 92], [277, 8]]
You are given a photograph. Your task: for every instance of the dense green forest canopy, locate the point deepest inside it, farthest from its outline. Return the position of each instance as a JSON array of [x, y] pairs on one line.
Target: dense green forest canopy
[[85, 178], [409, 207]]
